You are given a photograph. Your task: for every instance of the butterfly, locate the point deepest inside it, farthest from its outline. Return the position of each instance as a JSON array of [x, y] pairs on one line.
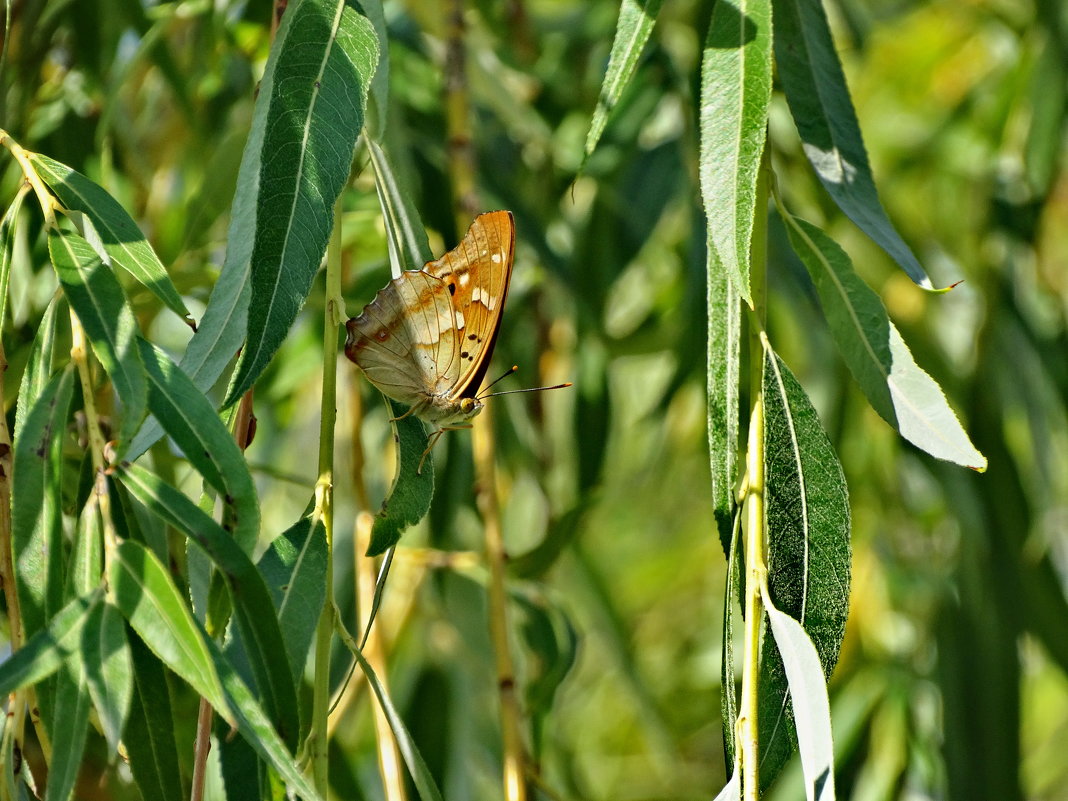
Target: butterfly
[[427, 337]]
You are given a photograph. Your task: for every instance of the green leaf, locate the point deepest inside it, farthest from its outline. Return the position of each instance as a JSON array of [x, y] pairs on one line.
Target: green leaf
[[39, 364], [45, 651], [294, 569], [897, 388], [191, 420], [728, 683], [406, 237], [122, 240], [378, 104], [150, 727], [807, 513], [636, 19], [69, 728], [327, 56], [735, 94], [109, 674], [417, 768], [409, 497], [7, 241], [723, 365], [819, 101], [96, 297], [812, 709], [732, 790], [145, 594], [255, 727], [36, 511], [256, 619]]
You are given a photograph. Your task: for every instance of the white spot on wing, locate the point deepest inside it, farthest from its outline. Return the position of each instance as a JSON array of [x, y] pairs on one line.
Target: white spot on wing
[[464, 279], [496, 258], [485, 298]]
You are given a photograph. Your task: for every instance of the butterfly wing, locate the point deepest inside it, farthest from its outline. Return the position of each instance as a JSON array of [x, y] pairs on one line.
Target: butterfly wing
[[476, 274], [405, 340]]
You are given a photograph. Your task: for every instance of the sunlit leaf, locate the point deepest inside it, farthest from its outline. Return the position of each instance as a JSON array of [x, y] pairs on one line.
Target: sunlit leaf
[[408, 246], [145, 594], [815, 87], [897, 388], [636, 18], [735, 94], [36, 513], [45, 651], [251, 600], [69, 728], [723, 366], [190, 419], [807, 513], [327, 55], [100, 303], [812, 709], [123, 241]]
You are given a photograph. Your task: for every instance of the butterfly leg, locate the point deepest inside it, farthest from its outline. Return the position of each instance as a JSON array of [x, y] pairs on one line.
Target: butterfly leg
[[433, 440]]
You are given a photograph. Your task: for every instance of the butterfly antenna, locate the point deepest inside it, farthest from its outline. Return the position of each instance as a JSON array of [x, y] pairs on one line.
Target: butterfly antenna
[[515, 367], [500, 379]]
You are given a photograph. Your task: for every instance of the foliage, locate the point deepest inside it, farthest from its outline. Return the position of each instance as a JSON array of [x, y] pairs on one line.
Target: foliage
[[614, 134]]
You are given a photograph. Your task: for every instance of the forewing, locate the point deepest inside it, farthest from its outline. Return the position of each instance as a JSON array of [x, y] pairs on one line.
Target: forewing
[[405, 340], [476, 274]]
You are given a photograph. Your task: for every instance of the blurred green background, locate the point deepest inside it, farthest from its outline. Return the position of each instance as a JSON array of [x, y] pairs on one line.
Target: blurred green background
[[952, 680]]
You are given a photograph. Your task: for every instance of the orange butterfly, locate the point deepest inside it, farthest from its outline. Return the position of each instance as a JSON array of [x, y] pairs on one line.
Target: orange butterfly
[[427, 337]]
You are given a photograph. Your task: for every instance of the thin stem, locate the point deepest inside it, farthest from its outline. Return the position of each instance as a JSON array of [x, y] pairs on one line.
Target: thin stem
[[514, 785], [44, 197], [461, 155], [324, 504], [748, 728], [754, 512], [374, 651], [201, 747]]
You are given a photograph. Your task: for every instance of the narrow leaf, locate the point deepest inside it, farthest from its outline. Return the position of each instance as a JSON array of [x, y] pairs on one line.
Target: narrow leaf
[[417, 768], [36, 512], [328, 58], [408, 245], [636, 18], [378, 101], [150, 727], [728, 683], [251, 600], [109, 674], [409, 497], [123, 241], [69, 728], [732, 790], [819, 101], [807, 513], [7, 239], [98, 300], [191, 420], [724, 336], [294, 569], [735, 94], [257, 730], [897, 388], [812, 709], [145, 594], [45, 651], [39, 364]]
